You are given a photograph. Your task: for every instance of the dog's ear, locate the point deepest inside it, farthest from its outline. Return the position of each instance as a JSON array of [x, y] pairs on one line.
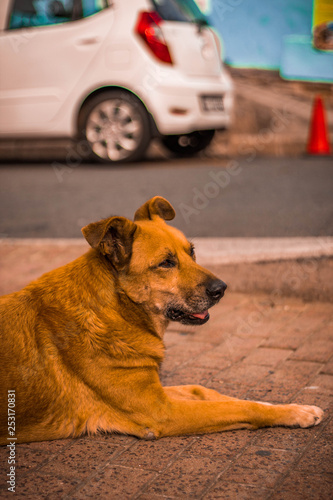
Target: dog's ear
[[156, 206], [113, 237]]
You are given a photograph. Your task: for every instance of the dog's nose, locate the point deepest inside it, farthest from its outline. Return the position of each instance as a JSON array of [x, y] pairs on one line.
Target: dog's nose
[[215, 289]]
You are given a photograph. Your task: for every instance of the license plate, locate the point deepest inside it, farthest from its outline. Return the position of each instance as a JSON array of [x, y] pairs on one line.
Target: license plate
[[212, 103]]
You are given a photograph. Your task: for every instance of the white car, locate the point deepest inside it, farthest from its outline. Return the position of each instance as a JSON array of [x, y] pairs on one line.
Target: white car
[[115, 73]]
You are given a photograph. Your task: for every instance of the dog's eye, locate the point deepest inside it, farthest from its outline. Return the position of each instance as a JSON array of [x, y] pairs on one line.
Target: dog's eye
[[192, 252], [167, 263]]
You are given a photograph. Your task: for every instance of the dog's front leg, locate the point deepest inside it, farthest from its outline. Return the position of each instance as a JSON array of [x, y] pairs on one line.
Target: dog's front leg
[[198, 417]]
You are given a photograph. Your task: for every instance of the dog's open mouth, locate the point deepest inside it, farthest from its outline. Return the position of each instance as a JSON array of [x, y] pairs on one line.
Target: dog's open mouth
[[188, 318]]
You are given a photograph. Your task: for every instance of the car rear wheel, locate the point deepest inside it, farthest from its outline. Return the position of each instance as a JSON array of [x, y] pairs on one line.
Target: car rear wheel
[[116, 126], [188, 144]]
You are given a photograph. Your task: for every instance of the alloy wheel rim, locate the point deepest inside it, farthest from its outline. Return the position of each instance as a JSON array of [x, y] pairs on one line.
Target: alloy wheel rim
[[114, 129]]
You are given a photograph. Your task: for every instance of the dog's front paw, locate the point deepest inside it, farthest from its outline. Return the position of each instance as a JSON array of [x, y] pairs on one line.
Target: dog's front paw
[[303, 416]]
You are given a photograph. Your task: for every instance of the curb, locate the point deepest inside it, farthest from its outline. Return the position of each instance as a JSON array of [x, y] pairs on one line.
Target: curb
[[217, 251]]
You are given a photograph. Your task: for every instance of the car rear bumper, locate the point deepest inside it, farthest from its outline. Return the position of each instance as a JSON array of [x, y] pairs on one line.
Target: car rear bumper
[[176, 104]]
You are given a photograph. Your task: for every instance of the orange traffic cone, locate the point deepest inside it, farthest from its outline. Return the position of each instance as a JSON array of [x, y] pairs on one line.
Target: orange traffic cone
[[318, 138]]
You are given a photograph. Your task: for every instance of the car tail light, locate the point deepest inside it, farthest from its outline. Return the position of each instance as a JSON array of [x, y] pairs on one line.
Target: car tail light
[[148, 27]]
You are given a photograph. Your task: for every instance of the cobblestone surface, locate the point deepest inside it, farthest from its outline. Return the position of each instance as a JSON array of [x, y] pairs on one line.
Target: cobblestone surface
[[253, 347]]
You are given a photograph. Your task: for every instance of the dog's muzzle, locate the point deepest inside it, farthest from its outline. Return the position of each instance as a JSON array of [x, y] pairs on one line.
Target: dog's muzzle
[[214, 292]]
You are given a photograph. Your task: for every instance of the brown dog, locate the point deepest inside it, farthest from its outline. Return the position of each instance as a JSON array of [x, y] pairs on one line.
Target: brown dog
[[81, 346]]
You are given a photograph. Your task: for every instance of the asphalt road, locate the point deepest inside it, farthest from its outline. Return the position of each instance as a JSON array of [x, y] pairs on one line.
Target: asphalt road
[[266, 197]]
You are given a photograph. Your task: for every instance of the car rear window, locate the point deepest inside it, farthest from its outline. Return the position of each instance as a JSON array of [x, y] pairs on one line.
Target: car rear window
[[179, 10], [31, 13]]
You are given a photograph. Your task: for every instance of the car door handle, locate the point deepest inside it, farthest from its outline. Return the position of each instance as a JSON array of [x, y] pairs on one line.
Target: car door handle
[[89, 40]]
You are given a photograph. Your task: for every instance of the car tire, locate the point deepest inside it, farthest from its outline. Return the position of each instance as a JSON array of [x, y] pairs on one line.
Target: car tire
[[188, 144], [116, 126]]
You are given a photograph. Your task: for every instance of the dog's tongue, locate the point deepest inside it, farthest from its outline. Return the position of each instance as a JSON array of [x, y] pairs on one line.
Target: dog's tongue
[[200, 315]]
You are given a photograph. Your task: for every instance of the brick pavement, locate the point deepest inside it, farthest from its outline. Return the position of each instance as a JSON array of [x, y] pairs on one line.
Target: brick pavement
[[255, 347]]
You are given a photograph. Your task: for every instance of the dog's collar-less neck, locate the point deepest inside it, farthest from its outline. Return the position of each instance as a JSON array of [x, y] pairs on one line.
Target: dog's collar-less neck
[[155, 327]]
